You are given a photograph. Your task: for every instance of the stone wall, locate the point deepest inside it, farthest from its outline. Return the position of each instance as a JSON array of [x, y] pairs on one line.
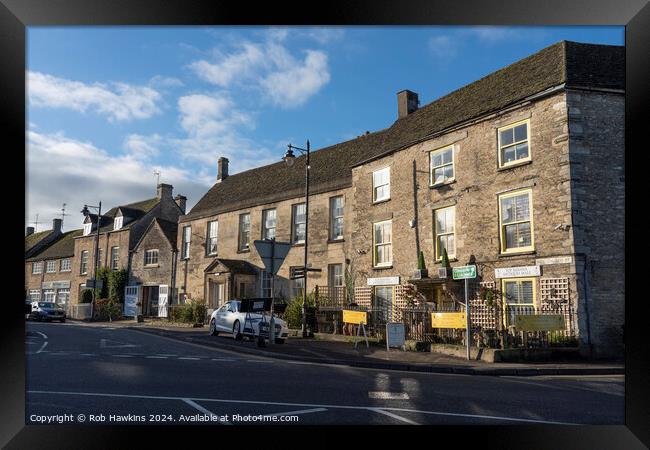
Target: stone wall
[[152, 274]]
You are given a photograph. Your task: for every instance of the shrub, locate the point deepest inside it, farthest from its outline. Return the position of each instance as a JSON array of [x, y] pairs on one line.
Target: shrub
[[421, 265], [445, 258], [107, 309], [199, 310], [87, 296], [293, 313], [117, 280], [193, 311], [103, 274]]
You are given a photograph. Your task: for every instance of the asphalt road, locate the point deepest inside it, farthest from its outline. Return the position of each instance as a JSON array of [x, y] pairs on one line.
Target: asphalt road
[[111, 376]]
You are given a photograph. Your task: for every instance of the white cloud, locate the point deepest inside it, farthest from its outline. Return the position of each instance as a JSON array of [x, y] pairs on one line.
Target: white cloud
[[325, 35], [143, 147], [443, 48], [165, 82], [118, 101], [65, 170], [492, 34], [283, 79]]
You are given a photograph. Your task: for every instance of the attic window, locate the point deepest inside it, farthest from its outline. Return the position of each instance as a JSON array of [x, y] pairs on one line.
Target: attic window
[[117, 224], [88, 228]]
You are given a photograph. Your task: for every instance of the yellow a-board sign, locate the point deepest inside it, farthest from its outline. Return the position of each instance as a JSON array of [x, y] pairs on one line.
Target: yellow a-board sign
[[539, 322], [448, 320], [355, 317]]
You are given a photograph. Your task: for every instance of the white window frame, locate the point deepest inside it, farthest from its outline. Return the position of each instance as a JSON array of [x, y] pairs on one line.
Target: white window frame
[[115, 257], [83, 262], [67, 267], [437, 233], [210, 238], [388, 244], [49, 295], [118, 222], [35, 295], [375, 186], [88, 227], [333, 277], [265, 220], [502, 226], [448, 148], [63, 292], [297, 286], [265, 284], [37, 267], [187, 240], [334, 218], [151, 257], [294, 223], [244, 229], [50, 264], [514, 143]]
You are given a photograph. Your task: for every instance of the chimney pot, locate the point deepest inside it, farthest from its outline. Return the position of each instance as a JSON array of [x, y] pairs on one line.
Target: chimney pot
[[29, 230], [56, 225], [181, 201], [164, 190], [407, 102], [222, 172]]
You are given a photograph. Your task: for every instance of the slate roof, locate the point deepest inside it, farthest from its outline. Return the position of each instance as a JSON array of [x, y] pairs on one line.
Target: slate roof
[[33, 239], [569, 63], [169, 229], [234, 266], [138, 209], [61, 248]]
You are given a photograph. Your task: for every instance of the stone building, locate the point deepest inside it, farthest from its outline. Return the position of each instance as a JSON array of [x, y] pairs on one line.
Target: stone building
[[48, 272], [35, 242], [520, 173], [121, 228]]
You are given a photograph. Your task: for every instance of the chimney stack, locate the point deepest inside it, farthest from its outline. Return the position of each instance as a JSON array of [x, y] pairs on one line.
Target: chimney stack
[[29, 230], [56, 225], [181, 200], [164, 190], [407, 102], [222, 172]]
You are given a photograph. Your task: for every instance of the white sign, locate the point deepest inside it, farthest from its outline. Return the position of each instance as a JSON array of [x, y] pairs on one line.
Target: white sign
[[383, 281], [395, 336], [513, 272], [554, 260], [272, 253]]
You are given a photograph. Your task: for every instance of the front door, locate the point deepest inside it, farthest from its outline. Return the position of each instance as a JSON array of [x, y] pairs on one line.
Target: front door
[[217, 292], [163, 293]]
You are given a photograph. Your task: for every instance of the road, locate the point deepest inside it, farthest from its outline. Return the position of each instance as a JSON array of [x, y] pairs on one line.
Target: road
[[96, 375]]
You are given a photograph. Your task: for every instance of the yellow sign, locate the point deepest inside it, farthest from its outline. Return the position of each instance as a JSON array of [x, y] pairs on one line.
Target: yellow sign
[[448, 320], [539, 322], [355, 317]]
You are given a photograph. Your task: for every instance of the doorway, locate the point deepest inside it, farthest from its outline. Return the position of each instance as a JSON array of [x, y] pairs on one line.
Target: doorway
[[150, 300]]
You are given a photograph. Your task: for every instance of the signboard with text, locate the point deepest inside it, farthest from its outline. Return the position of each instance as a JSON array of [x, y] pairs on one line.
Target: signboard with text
[[448, 320], [355, 317], [464, 272], [539, 322], [513, 272], [395, 335], [383, 281]]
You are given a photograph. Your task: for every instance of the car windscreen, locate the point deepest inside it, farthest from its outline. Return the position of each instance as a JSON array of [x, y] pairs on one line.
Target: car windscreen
[[46, 305]]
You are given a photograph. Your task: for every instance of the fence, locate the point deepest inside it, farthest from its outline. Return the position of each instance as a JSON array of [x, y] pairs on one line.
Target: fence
[[79, 311]]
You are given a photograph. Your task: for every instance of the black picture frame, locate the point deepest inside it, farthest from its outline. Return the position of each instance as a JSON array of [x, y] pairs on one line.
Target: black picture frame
[[16, 15]]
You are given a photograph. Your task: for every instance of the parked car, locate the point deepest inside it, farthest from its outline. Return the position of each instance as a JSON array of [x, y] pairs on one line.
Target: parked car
[[228, 319], [28, 308], [47, 311]]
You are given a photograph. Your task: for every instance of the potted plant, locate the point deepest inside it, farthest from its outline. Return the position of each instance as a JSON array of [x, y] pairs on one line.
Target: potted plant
[[444, 270], [421, 271]]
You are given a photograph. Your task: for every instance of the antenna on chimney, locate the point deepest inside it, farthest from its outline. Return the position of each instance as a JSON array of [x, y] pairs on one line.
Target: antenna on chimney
[[36, 223], [157, 173], [63, 214]]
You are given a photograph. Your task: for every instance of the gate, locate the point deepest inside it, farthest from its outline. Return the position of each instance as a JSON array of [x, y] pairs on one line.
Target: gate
[[131, 294]]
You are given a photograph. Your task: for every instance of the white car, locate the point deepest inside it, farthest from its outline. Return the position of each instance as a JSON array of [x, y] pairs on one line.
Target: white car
[[228, 319]]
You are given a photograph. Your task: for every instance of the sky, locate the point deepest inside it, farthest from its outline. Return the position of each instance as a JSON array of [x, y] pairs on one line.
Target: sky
[[108, 106]]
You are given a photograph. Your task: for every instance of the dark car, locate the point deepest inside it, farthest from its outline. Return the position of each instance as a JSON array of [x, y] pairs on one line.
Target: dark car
[[47, 311]]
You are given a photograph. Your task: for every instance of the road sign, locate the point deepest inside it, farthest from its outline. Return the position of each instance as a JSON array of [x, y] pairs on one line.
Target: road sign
[[91, 284], [297, 272], [464, 272], [272, 253]]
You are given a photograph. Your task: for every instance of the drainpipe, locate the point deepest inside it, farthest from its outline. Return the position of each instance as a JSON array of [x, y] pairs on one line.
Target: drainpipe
[[586, 295], [173, 278]]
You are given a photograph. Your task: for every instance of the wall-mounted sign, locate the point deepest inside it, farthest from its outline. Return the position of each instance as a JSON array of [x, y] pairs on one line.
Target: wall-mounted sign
[[355, 317], [448, 320], [513, 272], [55, 285], [539, 322], [383, 281], [554, 260], [464, 272]]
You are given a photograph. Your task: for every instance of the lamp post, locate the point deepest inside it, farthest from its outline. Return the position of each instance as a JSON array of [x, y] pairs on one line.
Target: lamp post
[[289, 158], [85, 212]]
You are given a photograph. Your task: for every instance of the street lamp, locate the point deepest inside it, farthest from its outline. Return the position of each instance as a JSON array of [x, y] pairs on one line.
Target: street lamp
[[85, 212], [289, 159]]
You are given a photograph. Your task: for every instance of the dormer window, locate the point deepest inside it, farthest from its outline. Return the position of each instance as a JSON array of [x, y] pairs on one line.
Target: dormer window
[[88, 228], [117, 224]]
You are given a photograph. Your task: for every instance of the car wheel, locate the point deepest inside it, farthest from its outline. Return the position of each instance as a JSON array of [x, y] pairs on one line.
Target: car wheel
[[279, 341], [236, 333], [62, 320], [213, 328]]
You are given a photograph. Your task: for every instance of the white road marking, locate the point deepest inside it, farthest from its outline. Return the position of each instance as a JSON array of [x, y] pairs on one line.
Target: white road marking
[[296, 413], [394, 416], [156, 357], [309, 405], [203, 410], [223, 359], [123, 356], [104, 343], [389, 395], [190, 358], [165, 354], [44, 343], [259, 360], [87, 354], [300, 362]]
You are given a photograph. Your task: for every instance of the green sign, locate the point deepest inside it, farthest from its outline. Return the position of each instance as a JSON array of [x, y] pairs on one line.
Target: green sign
[[462, 273]]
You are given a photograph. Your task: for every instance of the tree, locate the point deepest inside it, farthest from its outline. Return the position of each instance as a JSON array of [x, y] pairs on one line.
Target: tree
[[103, 274], [445, 258], [350, 278], [421, 265], [117, 280]]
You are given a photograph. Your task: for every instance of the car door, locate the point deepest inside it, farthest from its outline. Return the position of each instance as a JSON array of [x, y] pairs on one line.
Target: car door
[[221, 318]]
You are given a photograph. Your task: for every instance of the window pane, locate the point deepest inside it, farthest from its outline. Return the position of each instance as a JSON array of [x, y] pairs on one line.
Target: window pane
[[512, 293], [446, 156], [507, 137], [436, 159], [522, 151], [449, 171], [509, 154], [507, 213], [520, 132], [521, 207]]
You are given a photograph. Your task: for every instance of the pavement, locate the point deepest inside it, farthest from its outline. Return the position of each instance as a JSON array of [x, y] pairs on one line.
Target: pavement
[[339, 350]]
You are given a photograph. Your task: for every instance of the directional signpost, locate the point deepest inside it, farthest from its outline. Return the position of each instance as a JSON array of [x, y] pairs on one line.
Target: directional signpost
[[273, 254], [466, 273]]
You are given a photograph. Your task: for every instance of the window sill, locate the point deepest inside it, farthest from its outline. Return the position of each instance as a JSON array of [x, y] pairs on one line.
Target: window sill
[[211, 255], [439, 261], [524, 253], [377, 202], [298, 244], [151, 266], [247, 250], [513, 165], [334, 241], [445, 183], [382, 267]]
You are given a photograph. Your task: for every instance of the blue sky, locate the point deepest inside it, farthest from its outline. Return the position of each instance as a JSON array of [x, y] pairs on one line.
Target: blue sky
[[109, 105]]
